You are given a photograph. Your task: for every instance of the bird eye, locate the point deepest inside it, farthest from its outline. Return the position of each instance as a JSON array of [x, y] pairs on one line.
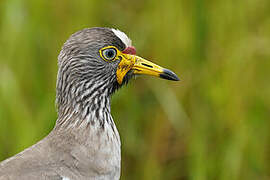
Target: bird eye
[[109, 54]]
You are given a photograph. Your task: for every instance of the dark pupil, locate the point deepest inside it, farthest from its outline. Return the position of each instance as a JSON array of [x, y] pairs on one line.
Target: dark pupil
[[110, 53]]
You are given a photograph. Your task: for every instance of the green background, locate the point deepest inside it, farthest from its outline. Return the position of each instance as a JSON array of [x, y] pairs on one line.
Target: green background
[[213, 124]]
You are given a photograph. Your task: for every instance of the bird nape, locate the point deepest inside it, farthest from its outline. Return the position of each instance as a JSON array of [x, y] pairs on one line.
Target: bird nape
[[84, 143]]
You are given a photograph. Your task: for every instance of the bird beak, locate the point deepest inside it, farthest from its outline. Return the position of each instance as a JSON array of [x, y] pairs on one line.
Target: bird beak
[[142, 66]]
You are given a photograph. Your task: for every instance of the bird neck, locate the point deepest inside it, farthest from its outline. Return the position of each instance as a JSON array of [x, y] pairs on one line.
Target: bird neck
[[89, 108], [92, 135]]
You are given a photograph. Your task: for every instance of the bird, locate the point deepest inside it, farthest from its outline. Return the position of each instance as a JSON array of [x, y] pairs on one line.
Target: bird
[[84, 143]]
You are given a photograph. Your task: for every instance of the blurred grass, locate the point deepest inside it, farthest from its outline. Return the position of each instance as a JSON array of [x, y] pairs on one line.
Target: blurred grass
[[214, 124]]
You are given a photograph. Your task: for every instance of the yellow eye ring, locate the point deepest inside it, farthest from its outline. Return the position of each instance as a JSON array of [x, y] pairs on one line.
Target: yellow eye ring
[[109, 53]]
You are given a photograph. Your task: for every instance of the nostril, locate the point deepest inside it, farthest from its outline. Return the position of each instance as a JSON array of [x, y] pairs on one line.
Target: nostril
[[147, 65]]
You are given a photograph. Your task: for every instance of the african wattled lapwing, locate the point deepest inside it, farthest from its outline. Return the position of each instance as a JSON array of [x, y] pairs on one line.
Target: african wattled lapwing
[[84, 143]]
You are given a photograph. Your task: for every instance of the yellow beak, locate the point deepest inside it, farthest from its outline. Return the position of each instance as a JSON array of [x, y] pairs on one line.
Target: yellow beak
[[141, 66]]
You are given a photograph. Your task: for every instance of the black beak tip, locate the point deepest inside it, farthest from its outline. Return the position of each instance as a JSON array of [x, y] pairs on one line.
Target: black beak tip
[[169, 75]]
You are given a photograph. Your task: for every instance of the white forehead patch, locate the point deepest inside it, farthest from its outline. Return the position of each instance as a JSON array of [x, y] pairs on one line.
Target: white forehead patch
[[124, 38]]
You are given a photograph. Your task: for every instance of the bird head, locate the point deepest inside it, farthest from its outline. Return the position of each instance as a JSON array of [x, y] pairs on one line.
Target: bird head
[[100, 59]]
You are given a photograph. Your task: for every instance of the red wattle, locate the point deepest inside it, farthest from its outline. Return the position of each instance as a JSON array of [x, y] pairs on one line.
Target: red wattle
[[130, 50]]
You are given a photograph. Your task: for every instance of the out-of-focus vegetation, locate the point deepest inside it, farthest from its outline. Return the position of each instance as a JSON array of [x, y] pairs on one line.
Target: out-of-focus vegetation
[[214, 124]]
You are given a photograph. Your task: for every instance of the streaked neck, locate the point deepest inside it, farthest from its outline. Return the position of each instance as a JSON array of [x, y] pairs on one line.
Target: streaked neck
[[91, 108]]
